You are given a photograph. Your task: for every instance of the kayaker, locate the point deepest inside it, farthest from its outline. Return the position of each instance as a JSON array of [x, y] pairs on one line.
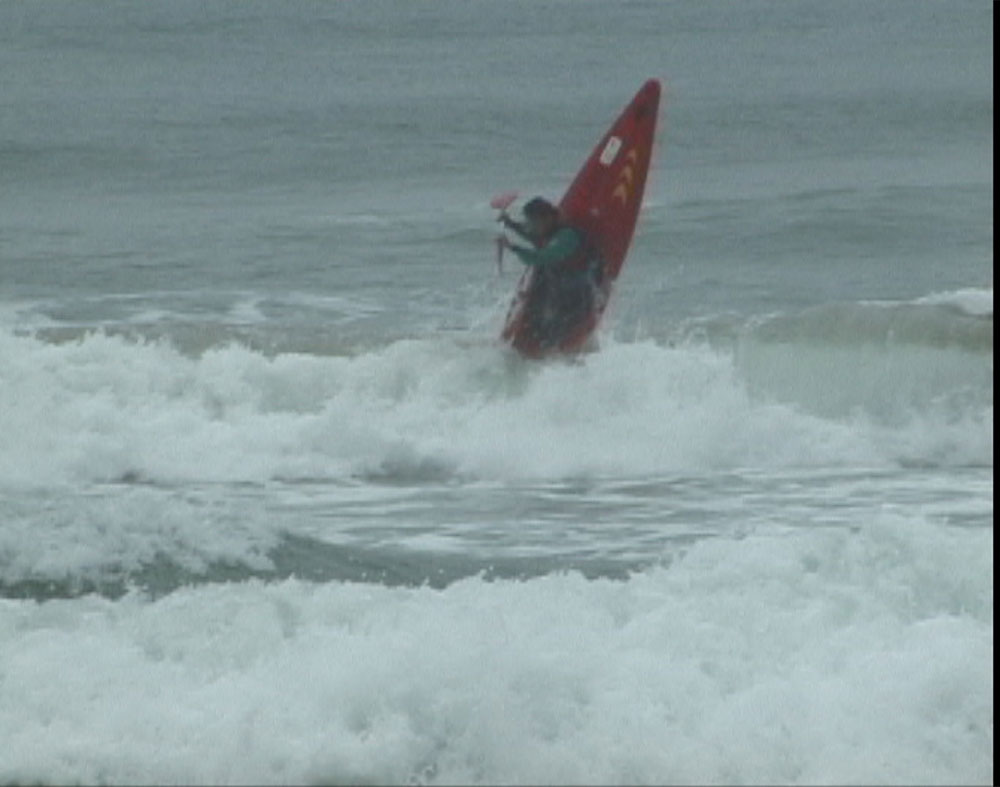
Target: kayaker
[[566, 268]]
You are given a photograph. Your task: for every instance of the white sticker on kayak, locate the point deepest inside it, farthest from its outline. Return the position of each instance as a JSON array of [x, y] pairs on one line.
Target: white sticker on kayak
[[611, 150]]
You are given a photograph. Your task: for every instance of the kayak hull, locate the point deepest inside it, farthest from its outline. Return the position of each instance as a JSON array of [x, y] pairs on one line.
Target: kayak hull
[[603, 202]]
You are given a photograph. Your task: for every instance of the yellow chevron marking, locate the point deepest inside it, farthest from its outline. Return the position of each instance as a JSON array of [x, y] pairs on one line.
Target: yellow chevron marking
[[626, 177]]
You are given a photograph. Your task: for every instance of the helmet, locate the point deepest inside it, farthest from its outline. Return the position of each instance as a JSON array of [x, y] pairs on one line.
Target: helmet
[[539, 207]]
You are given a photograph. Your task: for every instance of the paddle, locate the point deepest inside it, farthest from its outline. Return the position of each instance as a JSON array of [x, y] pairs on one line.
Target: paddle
[[501, 202]]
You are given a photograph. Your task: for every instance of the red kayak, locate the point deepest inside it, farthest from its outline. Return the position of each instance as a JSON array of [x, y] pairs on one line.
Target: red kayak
[[602, 202]]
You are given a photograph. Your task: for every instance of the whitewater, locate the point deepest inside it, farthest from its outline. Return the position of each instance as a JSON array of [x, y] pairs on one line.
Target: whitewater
[[277, 506]]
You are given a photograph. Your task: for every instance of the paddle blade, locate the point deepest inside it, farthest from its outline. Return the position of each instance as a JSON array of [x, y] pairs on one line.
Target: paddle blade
[[502, 201]]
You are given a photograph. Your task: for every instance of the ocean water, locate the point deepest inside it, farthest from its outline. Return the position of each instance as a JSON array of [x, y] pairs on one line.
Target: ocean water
[[276, 506]]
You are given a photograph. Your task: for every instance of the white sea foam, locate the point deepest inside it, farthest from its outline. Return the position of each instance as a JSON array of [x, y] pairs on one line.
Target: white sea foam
[[971, 300], [810, 656], [104, 407]]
